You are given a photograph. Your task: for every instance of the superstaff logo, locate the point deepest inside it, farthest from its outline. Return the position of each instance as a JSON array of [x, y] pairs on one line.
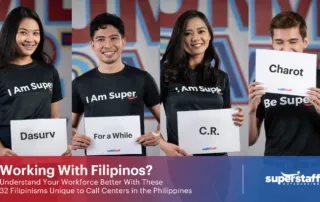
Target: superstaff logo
[[296, 179], [113, 150], [285, 89], [209, 148]]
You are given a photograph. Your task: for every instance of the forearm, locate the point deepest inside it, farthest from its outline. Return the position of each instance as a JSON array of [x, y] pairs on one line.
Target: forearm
[[254, 128]]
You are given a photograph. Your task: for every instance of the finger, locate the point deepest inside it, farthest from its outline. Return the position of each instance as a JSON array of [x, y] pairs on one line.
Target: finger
[[254, 84], [238, 114], [256, 89], [313, 98], [11, 153], [239, 109], [238, 119], [178, 154], [82, 139], [314, 103], [315, 89], [316, 94], [181, 151], [139, 138], [150, 143], [238, 123], [316, 106]]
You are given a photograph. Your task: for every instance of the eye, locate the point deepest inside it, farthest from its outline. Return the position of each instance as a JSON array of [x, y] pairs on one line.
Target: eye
[[187, 33], [114, 38], [36, 33], [23, 32], [201, 31], [293, 42]]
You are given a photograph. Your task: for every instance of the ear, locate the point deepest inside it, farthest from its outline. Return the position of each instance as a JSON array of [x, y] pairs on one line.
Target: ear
[[306, 42], [124, 41], [92, 44]]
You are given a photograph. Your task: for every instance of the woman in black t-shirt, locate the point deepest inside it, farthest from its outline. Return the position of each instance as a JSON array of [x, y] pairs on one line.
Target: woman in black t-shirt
[[187, 62], [29, 84]]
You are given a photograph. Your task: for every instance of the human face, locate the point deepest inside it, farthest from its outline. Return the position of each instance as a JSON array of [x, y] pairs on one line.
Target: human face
[[28, 37], [108, 44], [196, 37], [289, 39]]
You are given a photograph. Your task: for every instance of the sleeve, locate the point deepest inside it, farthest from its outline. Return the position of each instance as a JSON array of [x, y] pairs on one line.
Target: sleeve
[[226, 94], [77, 104], [56, 91], [151, 95]]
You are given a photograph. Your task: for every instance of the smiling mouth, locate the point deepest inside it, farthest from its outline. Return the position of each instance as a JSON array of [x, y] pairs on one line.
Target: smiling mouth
[[196, 45], [109, 54], [28, 46]]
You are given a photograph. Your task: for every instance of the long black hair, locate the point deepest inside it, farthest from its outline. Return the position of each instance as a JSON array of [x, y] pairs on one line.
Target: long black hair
[[175, 61], [8, 45]]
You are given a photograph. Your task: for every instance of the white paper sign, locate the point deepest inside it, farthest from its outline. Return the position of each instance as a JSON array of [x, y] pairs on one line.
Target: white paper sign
[[39, 137], [285, 72], [208, 131], [113, 135]]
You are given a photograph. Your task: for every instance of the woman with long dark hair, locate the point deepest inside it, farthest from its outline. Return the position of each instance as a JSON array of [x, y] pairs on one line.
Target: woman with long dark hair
[[187, 61], [23, 63]]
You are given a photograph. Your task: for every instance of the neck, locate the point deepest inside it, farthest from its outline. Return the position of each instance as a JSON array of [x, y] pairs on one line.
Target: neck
[[195, 60], [110, 68], [21, 60]]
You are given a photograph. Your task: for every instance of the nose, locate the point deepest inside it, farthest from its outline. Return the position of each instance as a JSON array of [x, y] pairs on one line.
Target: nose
[[195, 37], [107, 44], [287, 47], [29, 38]]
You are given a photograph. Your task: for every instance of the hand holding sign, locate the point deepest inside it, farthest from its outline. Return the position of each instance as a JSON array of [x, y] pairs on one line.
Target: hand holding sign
[[314, 98], [238, 117], [68, 152], [173, 150], [255, 94], [6, 152], [80, 141], [149, 139]]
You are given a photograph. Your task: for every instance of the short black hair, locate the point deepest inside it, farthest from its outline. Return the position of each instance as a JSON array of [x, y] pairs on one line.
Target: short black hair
[[103, 19]]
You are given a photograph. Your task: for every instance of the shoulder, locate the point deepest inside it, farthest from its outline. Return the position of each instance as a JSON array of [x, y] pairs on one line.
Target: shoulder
[[222, 74], [135, 71], [87, 75]]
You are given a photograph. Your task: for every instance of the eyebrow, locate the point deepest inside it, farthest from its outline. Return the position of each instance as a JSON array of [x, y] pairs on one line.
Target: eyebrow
[[292, 39], [28, 30], [199, 28]]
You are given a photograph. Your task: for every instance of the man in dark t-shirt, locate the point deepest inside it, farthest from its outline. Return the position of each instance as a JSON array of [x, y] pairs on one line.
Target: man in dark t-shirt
[[113, 88], [292, 125]]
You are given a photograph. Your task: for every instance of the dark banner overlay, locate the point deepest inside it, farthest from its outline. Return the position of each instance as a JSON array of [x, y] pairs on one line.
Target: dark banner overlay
[[159, 179]]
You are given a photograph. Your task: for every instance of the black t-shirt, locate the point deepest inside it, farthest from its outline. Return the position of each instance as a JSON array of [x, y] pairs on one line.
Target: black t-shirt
[[136, 83], [291, 123], [26, 92], [180, 97]]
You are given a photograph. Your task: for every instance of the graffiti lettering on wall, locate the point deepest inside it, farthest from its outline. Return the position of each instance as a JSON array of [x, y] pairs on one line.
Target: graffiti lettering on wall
[[218, 16]]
